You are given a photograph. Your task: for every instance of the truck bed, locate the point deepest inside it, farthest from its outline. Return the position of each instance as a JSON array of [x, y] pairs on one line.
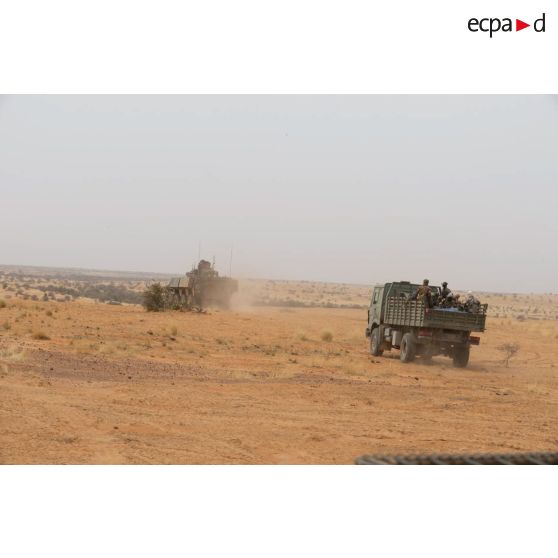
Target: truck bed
[[412, 313]]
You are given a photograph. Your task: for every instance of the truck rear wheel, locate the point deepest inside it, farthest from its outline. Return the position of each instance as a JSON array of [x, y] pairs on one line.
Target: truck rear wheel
[[408, 348], [461, 356], [376, 343]]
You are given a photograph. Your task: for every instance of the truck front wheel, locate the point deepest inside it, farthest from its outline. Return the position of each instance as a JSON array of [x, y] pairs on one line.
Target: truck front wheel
[[461, 356], [376, 343], [408, 348]]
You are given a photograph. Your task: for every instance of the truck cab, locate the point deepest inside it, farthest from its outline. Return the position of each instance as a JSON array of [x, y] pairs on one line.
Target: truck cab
[[400, 289], [375, 308]]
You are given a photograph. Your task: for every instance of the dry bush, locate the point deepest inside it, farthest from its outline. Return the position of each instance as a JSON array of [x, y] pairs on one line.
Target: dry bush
[[509, 350], [6, 325], [326, 336], [12, 353], [539, 390], [40, 336], [2, 303]]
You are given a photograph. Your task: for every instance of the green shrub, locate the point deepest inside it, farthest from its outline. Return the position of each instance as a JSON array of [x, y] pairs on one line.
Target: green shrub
[[155, 298]]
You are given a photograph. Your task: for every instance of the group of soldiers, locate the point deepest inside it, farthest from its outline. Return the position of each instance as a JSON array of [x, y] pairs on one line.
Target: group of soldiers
[[445, 298]]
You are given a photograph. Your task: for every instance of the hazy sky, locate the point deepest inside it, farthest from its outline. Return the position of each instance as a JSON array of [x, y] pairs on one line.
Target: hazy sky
[[341, 188]]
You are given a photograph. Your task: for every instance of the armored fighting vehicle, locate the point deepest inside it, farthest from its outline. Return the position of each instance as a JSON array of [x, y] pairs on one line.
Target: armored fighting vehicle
[[395, 321], [201, 288]]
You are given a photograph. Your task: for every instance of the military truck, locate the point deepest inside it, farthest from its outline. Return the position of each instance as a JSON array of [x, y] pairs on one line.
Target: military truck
[[395, 321], [200, 288]]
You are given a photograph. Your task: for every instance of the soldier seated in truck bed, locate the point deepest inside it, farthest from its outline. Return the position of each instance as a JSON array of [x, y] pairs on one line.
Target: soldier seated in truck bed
[[472, 304]]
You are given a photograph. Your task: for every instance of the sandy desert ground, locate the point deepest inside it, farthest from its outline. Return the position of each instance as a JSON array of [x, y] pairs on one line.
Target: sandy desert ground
[[88, 382]]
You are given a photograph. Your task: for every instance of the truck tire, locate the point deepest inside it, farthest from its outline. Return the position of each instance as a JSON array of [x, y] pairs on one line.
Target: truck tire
[[408, 349], [376, 343], [461, 356]]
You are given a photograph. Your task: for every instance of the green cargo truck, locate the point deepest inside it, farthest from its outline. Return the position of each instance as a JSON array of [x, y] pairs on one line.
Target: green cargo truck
[[397, 322]]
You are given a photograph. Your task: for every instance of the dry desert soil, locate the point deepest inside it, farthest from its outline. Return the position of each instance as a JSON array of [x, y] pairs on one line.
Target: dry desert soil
[[86, 382]]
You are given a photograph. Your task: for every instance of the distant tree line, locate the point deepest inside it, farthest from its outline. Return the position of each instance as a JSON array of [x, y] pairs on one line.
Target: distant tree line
[[291, 303], [98, 291]]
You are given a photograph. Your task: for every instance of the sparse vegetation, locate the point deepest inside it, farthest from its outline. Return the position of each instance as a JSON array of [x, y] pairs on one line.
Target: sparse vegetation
[[509, 350], [12, 353], [96, 291], [40, 336], [292, 303], [2, 303], [326, 336]]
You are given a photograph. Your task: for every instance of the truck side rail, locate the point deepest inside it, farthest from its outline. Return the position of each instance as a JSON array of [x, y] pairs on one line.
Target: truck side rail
[[454, 318], [413, 313], [404, 312]]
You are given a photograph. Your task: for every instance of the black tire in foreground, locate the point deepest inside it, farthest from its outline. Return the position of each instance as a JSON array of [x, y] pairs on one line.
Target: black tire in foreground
[[542, 458], [408, 348]]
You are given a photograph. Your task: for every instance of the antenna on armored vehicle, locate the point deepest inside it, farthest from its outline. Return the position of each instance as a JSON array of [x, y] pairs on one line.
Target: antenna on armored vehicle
[[230, 263]]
